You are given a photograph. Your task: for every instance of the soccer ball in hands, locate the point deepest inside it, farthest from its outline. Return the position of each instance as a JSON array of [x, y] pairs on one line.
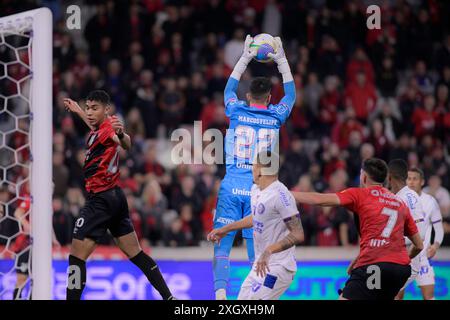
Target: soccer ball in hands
[[263, 44]]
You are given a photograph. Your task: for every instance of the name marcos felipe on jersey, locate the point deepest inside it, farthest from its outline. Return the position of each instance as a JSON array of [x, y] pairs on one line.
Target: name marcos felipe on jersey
[[252, 128]]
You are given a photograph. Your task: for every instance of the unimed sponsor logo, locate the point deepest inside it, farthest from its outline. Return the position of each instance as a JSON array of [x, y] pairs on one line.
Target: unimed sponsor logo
[[240, 192]]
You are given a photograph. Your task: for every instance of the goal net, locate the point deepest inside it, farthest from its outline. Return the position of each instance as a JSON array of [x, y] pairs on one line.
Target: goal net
[[25, 153]]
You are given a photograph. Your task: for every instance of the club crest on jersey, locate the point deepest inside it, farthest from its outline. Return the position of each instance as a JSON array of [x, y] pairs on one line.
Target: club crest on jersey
[[282, 108], [92, 139], [260, 208], [375, 193]]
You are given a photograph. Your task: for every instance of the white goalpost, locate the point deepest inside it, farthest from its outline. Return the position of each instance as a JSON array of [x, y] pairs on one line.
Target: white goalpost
[[35, 25]]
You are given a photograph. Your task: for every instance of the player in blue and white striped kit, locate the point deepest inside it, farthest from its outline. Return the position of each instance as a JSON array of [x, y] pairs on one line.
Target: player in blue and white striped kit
[[254, 126]]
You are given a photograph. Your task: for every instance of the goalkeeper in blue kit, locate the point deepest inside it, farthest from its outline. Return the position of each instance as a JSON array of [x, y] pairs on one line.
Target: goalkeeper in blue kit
[[254, 126]]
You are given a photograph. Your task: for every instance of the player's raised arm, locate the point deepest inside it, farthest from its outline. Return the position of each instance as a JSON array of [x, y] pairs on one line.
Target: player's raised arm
[[217, 234], [288, 80], [121, 138], [74, 107], [318, 199], [233, 82]]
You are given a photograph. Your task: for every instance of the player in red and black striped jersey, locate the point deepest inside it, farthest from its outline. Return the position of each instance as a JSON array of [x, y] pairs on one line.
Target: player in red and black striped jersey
[[106, 207], [383, 220]]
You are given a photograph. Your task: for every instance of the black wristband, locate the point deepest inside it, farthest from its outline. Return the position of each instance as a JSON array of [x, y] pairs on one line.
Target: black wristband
[[120, 135]]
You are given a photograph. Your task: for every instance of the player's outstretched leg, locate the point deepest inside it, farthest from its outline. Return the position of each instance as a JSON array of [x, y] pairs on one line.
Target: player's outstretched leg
[[130, 246], [221, 266], [80, 251]]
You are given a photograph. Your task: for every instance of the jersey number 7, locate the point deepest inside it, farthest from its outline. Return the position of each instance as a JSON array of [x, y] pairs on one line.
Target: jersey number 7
[[392, 214]]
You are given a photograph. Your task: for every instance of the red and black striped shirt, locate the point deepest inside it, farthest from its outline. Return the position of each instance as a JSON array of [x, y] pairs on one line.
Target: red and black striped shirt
[[101, 165]]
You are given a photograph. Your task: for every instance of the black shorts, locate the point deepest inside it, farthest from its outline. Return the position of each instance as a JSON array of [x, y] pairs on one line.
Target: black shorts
[[107, 210], [22, 263], [392, 278]]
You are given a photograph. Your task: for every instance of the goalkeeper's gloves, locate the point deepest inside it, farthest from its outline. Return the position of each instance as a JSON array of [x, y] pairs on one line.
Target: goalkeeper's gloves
[[280, 59], [245, 59]]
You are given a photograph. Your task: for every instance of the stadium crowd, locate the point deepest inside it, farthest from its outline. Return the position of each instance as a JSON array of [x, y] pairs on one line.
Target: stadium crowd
[[360, 93]]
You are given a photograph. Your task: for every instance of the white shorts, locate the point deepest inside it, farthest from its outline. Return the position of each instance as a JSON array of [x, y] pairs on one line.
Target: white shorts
[[426, 272], [272, 287], [421, 271]]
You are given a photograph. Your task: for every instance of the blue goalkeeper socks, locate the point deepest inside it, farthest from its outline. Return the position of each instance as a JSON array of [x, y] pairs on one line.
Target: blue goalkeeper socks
[[221, 262]]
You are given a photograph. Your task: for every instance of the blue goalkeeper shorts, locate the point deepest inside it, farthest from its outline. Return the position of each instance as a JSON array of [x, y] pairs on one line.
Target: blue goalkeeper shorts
[[233, 202]]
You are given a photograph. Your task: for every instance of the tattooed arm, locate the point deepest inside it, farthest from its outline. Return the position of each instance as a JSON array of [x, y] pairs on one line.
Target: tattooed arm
[[295, 236]]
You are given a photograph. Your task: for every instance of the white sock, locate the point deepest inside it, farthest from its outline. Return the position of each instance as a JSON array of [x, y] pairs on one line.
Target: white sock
[[221, 294]]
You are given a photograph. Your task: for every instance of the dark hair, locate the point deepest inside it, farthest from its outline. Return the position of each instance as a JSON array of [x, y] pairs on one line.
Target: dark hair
[[376, 169], [260, 88], [398, 169], [99, 96], [419, 171]]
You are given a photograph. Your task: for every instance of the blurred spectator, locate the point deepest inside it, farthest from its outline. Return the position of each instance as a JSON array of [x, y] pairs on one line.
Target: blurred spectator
[[62, 222], [341, 130], [233, 48], [401, 148], [114, 85], [330, 103], [443, 198], [146, 104], [64, 52], [440, 193], [329, 58], [296, 162], [378, 139], [387, 112], [443, 54], [187, 194], [387, 79], [360, 64], [172, 105], [272, 18], [154, 206], [360, 95], [424, 80], [175, 235], [304, 184], [332, 224], [60, 174], [353, 156], [312, 93], [332, 160], [425, 118], [209, 207]]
